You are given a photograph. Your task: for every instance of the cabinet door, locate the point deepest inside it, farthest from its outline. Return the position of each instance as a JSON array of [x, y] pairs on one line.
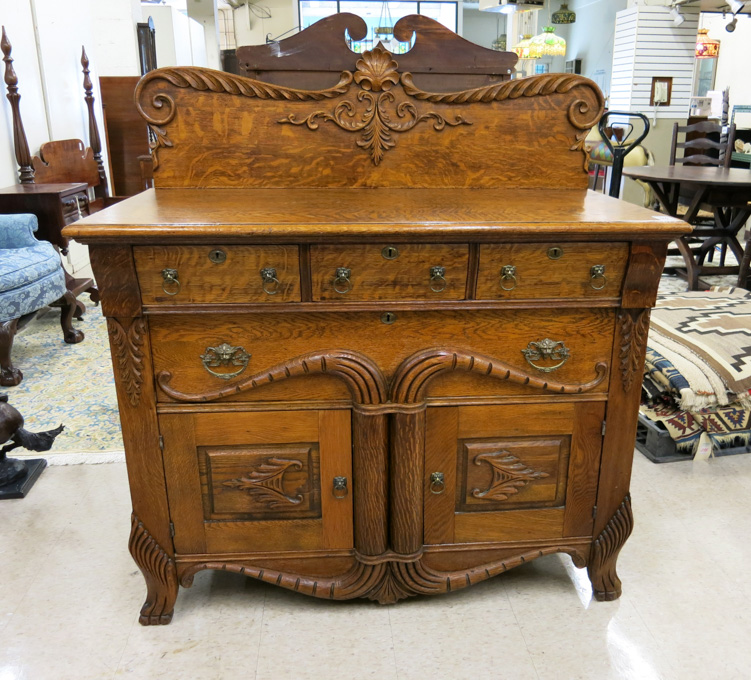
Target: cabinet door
[[511, 473], [259, 482]]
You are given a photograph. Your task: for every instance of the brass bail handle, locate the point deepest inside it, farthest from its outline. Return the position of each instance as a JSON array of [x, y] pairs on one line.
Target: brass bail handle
[[269, 282], [438, 279], [508, 276], [340, 487], [342, 283], [437, 484], [597, 274], [170, 278]]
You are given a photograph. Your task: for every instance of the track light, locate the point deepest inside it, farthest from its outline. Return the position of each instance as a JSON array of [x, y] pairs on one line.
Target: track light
[[731, 26], [736, 5], [677, 17]]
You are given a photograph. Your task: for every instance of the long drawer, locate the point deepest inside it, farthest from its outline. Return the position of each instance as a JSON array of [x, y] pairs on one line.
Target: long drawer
[[211, 351]]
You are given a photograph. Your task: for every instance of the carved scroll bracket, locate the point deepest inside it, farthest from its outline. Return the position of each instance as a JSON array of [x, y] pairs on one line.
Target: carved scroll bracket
[[127, 351], [634, 329]]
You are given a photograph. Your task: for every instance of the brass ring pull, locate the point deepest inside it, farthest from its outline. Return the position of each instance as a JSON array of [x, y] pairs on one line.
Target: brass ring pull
[[169, 278], [437, 485], [270, 283], [225, 355], [342, 283], [340, 487], [508, 275], [597, 272], [546, 350], [437, 279]]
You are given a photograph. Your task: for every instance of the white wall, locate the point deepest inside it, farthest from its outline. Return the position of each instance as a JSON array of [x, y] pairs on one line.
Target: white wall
[[179, 39], [482, 28], [735, 57], [251, 29]]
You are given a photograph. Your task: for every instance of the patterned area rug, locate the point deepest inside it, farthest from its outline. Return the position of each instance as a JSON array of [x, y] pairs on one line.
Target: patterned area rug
[[68, 384]]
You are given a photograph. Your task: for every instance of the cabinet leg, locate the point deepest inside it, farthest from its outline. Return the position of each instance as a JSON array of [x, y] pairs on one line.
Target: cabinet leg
[[9, 376], [605, 582], [158, 570]]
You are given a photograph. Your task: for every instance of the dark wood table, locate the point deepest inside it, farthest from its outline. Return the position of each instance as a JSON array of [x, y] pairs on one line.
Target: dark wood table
[[54, 205], [727, 191]]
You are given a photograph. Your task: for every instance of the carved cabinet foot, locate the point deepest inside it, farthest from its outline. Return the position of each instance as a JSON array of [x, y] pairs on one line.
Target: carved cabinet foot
[[605, 582], [159, 572], [69, 309]]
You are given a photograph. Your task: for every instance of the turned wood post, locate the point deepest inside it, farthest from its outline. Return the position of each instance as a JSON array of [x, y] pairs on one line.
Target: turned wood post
[[20, 144], [94, 141]]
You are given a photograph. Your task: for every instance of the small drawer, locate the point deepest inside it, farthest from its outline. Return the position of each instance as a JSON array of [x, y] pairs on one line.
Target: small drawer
[[551, 270], [383, 271], [216, 274]]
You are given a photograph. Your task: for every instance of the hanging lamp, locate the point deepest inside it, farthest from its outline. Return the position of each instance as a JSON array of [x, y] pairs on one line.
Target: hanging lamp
[[385, 28], [525, 50], [706, 47], [564, 15], [548, 44]]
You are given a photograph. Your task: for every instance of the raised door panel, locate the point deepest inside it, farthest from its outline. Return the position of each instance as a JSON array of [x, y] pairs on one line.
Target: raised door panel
[[250, 482], [551, 270], [511, 473], [215, 274], [383, 271]]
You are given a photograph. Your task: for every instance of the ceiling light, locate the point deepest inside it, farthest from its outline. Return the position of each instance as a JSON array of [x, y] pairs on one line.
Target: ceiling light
[[507, 9], [731, 26], [736, 5], [675, 14]]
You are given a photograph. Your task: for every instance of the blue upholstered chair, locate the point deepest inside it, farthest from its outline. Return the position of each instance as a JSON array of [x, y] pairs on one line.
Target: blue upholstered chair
[[31, 277]]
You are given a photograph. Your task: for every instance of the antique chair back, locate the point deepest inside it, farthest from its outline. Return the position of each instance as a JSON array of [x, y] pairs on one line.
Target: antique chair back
[[698, 143]]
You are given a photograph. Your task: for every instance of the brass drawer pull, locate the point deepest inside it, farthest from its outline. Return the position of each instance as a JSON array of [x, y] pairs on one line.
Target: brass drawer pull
[[546, 350], [508, 275], [270, 283], [169, 278], [342, 283], [340, 487], [438, 279], [437, 485], [597, 273], [225, 355]]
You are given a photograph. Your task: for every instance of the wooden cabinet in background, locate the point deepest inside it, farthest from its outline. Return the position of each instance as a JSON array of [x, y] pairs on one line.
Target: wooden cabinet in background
[[394, 412]]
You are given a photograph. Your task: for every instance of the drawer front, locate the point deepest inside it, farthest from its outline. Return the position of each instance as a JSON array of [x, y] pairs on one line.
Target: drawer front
[[216, 274], [183, 343], [259, 481], [550, 270], [511, 473], [401, 271]]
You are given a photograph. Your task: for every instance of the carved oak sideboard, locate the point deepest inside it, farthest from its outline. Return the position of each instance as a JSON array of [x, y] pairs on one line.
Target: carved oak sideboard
[[372, 340]]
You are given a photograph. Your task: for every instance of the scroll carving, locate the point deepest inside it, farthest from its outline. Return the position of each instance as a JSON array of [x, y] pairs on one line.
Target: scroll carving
[[376, 73], [634, 332], [364, 379], [386, 582], [373, 110], [128, 355], [415, 373], [158, 569], [509, 475], [215, 81], [266, 483], [605, 548]]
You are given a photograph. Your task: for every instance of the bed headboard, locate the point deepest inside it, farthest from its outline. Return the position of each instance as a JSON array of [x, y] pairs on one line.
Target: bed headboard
[[374, 126]]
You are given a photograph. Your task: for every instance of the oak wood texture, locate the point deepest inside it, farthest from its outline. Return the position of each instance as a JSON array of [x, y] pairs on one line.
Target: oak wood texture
[[374, 277], [538, 275], [525, 403], [235, 279], [219, 216]]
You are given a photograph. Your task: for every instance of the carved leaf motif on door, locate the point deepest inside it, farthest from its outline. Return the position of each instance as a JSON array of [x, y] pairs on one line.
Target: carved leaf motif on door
[[376, 72], [509, 475], [266, 483]]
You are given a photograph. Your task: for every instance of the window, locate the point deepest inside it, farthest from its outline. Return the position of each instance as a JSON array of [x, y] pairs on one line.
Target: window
[[372, 13]]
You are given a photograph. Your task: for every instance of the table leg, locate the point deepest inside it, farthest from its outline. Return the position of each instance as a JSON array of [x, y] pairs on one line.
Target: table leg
[[692, 269]]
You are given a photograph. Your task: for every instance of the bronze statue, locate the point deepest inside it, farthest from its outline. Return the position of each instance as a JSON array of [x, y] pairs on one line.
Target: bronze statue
[[13, 470]]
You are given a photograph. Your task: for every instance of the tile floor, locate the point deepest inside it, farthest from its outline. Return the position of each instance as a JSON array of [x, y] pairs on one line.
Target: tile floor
[[70, 594]]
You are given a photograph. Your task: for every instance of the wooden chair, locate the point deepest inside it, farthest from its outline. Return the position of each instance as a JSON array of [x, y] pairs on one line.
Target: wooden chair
[[705, 143]]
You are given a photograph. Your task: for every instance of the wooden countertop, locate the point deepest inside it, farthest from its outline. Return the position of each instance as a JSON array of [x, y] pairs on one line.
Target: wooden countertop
[[194, 215]]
